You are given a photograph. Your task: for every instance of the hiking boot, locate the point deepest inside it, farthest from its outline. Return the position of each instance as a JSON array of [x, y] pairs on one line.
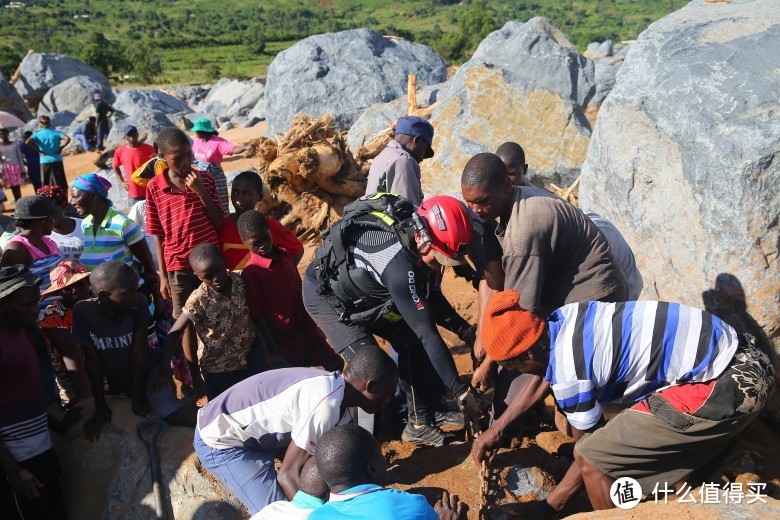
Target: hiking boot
[[425, 435], [449, 418]]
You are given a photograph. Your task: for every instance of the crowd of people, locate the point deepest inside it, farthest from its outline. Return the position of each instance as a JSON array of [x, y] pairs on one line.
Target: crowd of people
[[94, 302]]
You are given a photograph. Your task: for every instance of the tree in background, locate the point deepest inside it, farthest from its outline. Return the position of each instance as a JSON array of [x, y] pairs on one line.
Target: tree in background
[[144, 61], [106, 56], [473, 25]]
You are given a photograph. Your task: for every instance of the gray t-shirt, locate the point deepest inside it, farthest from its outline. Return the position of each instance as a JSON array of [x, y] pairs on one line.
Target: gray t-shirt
[[622, 252], [553, 255], [113, 339], [395, 171]]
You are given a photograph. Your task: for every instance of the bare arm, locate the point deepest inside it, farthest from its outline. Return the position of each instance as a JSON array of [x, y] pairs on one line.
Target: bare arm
[[65, 142], [32, 144], [290, 473], [93, 425], [141, 251], [213, 211], [163, 274], [15, 253], [24, 484]]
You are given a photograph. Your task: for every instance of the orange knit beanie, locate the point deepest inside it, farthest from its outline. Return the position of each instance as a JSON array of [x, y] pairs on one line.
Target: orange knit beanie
[[508, 330]]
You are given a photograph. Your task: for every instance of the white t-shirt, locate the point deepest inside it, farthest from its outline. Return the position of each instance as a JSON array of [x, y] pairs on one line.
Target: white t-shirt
[[622, 253], [282, 510], [270, 409], [138, 215], [70, 246]]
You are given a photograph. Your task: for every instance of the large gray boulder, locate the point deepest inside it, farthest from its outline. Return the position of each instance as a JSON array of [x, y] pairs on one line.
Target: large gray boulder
[[343, 74], [40, 71], [149, 110], [684, 159], [231, 97], [525, 83], [72, 95], [380, 116], [190, 94], [11, 101]]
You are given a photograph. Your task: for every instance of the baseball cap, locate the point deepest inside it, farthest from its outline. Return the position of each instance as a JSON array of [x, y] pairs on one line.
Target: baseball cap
[[130, 128], [417, 126], [33, 207]]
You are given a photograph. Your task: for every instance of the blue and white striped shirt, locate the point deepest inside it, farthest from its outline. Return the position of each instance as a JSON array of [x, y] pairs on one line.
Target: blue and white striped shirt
[[621, 352]]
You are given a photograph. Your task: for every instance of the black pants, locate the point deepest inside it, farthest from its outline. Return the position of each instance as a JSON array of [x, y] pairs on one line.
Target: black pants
[[419, 379], [54, 173], [50, 505]]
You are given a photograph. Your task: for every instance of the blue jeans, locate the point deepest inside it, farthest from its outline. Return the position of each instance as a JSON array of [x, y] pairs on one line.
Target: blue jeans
[[102, 135], [249, 474], [81, 138]]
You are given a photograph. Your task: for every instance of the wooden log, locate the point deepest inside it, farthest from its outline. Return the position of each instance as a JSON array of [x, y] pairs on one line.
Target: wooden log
[[319, 162], [411, 94]]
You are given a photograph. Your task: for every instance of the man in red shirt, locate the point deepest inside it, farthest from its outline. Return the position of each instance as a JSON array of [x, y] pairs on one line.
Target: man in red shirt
[[182, 211], [246, 191], [130, 157], [274, 294]]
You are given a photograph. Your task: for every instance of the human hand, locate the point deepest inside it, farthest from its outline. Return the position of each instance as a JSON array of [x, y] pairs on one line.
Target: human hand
[[66, 421], [201, 401], [165, 290], [163, 378], [449, 507], [94, 424], [478, 353], [125, 185], [485, 443], [195, 182], [469, 336], [470, 403], [25, 485], [483, 376]]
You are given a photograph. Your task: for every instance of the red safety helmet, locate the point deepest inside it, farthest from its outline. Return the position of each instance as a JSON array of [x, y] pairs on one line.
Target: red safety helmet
[[448, 228]]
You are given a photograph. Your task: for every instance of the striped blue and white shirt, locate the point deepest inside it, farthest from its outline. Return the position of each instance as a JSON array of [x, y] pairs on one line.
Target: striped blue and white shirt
[[621, 352]]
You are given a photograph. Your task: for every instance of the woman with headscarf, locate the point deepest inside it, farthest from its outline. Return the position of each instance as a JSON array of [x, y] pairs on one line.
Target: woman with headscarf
[[32, 247], [67, 232], [50, 143], [208, 149], [108, 234]]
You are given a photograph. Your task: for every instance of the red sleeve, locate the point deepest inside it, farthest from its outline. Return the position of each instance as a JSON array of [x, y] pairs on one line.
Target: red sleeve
[[153, 225], [118, 156], [211, 188], [284, 238], [254, 291]]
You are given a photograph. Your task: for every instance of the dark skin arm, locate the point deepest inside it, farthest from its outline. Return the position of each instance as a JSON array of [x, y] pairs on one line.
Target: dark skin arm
[[267, 344], [190, 349], [94, 365], [23, 483], [73, 358], [138, 369], [195, 182], [297, 258], [534, 389], [32, 144], [165, 290], [15, 253], [289, 475], [141, 251]]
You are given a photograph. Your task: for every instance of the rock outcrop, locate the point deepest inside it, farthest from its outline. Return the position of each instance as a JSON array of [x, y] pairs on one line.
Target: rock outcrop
[[41, 71], [525, 83], [110, 478], [684, 158], [231, 97], [343, 74], [11, 101], [72, 96], [148, 109]]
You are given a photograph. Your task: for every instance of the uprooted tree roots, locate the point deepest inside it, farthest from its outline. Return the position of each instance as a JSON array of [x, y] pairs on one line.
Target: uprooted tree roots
[[310, 175]]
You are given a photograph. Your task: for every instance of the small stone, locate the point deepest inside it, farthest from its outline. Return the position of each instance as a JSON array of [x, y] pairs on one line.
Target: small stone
[[528, 484]]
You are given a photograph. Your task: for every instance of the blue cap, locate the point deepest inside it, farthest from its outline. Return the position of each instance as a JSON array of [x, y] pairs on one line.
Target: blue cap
[[416, 126], [130, 128]]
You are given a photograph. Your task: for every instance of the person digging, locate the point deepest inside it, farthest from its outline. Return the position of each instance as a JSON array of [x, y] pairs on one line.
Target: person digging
[[696, 383]]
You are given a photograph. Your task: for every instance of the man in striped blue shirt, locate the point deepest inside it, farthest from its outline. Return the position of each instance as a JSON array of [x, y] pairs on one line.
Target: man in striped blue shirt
[[696, 382]]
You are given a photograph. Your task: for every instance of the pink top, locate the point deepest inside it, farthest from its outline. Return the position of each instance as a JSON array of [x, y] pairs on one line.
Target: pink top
[[36, 253], [211, 150]]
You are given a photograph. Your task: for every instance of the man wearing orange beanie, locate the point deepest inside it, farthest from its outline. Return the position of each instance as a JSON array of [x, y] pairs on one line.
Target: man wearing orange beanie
[[688, 372]]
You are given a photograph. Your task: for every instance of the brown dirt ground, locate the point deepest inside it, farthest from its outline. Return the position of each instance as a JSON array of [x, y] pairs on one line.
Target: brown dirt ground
[[431, 471]]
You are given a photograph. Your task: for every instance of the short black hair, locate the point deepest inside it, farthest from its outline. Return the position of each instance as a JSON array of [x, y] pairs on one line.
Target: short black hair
[[171, 138], [311, 481], [27, 134], [252, 178], [371, 363], [203, 252], [250, 222], [343, 454], [484, 168], [511, 151], [112, 275]]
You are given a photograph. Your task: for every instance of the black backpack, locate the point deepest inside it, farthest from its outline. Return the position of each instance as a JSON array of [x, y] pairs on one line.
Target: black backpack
[[354, 294]]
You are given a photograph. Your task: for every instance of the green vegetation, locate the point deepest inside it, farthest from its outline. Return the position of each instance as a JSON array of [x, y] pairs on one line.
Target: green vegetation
[[186, 41]]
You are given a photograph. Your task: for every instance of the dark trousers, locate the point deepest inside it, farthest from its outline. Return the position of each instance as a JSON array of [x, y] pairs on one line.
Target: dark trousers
[[50, 505], [102, 135], [34, 173], [54, 173]]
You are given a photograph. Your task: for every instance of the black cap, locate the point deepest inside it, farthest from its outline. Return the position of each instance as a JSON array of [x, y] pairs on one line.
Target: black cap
[[33, 207]]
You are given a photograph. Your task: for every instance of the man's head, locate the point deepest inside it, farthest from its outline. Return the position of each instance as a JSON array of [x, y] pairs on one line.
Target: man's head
[[348, 456], [513, 157], [246, 191], [92, 120], [4, 134], [176, 149], [209, 266], [44, 121], [311, 481], [254, 233], [486, 187], [374, 374], [416, 135], [511, 335], [116, 286], [131, 136], [37, 214], [27, 134], [19, 294]]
